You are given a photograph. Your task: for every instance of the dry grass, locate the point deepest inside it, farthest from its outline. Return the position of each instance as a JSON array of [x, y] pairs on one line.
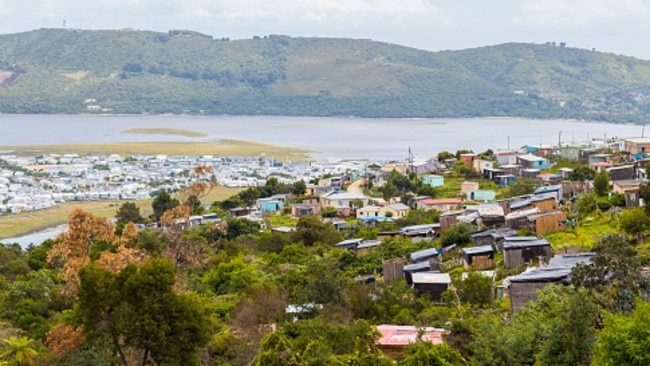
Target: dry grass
[[166, 131], [76, 75], [28, 222], [219, 148]]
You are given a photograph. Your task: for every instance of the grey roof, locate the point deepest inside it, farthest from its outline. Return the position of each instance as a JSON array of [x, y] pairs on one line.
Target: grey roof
[[349, 243], [419, 228], [520, 203], [519, 244], [481, 249], [558, 269], [417, 267], [368, 244], [483, 233], [424, 254], [431, 277]]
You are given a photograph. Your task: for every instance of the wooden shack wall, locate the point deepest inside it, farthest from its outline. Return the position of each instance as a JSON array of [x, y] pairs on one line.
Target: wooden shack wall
[[392, 269], [520, 256], [447, 222], [523, 292], [480, 262], [432, 290], [545, 205], [549, 223]]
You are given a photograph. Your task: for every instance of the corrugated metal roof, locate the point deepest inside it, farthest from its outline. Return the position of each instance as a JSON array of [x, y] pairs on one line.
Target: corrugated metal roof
[[431, 277], [424, 254], [481, 249], [403, 335], [519, 244]]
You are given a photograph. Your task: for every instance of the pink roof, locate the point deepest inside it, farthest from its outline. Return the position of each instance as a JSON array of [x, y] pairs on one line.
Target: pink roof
[[403, 335], [442, 201]]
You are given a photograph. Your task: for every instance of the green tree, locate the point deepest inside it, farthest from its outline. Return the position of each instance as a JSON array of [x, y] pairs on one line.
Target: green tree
[[624, 338], [429, 354], [241, 226], [444, 155], [128, 212], [586, 204], [475, 289], [163, 202], [635, 222], [250, 195], [521, 187], [644, 192], [18, 351], [311, 229], [614, 275], [299, 188], [138, 309], [601, 183], [459, 235], [329, 211], [582, 173], [388, 191]]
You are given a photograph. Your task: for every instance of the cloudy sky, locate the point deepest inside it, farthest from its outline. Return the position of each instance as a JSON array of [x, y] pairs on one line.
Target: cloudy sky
[[618, 26]]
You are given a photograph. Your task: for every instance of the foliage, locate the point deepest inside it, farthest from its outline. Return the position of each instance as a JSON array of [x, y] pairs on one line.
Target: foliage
[[624, 337], [556, 329], [521, 187], [426, 353], [329, 211], [314, 342], [128, 212], [582, 173], [586, 204], [241, 226], [601, 183], [169, 327], [311, 230], [19, 351], [162, 203], [476, 289], [614, 277], [635, 222], [459, 235]]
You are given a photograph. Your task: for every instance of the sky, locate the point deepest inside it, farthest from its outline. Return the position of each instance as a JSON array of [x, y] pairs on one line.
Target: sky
[[616, 26]]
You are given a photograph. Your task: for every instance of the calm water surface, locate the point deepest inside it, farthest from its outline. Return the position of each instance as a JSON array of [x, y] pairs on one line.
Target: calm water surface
[[380, 139]]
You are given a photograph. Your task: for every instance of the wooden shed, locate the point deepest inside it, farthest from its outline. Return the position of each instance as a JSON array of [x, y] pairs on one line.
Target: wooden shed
[[520, 250], [431, 284], [547, 222], [478, 258], [523, 287], [426, 266]]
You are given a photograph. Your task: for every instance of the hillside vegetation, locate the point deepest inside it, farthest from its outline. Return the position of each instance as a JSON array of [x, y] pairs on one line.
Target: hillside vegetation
[[110, 71]]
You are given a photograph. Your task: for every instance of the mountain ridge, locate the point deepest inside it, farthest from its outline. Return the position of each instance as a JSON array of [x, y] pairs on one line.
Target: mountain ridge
[[129, 71]]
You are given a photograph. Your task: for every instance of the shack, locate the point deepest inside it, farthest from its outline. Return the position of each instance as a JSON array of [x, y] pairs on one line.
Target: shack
[[424, 255], [426, 266], [431, 284], [523, 286], [478, 258], [520, 250]]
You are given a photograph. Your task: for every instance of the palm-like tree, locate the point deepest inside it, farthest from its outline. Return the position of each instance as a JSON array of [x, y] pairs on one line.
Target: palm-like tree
[[18, 351]]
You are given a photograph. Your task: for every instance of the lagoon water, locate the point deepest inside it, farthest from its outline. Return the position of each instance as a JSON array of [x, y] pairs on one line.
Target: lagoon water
[[338, 137]]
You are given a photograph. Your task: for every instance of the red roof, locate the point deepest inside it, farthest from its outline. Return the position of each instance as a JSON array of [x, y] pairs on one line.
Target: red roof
[[403, 335], [442, 201]]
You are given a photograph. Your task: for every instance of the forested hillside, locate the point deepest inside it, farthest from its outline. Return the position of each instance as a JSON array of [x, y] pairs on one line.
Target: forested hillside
[[127, 71]]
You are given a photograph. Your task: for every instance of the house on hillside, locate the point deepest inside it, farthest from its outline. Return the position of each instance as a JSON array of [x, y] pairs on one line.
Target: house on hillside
[[431, 284], [523, 287], [530, 161], [520, 250], [433, 180], [397, 210], [478, 258], [547, 222], [440, 204], [394, 338]]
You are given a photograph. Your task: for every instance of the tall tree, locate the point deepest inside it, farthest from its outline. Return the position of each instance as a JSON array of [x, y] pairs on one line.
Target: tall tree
[[625, 338], [601, 183], [73, 248], [614, 277], [128, 212], [162, 203], [139, 310]]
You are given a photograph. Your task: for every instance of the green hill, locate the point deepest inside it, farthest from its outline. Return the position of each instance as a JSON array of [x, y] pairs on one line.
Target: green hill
[[81, 71]]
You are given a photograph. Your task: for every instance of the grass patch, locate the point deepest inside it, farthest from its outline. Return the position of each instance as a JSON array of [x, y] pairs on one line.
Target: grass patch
[[220, 193], [166, 131], [76, 75], [585, 235], [218, 148], [28, 222]]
